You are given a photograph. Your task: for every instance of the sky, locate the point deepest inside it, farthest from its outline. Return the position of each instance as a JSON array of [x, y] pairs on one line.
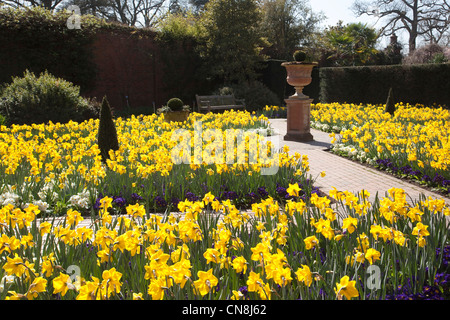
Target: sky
[[336, 10]]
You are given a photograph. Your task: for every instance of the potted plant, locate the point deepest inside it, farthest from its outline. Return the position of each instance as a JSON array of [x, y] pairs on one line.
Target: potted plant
[[175, 111]]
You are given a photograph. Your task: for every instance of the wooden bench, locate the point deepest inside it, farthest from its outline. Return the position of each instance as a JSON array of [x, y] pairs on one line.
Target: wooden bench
[[214, 103]]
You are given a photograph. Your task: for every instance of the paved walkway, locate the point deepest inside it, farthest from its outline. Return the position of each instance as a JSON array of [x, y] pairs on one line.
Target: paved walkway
[[341, 173]]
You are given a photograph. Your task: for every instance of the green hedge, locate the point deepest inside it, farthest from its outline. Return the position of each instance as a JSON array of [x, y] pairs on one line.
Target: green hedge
[[39, 41], [273, 76], [425, 84], [313, 89]]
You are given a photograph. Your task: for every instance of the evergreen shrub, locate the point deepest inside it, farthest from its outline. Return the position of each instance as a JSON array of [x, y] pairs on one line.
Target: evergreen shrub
[[39, 99]]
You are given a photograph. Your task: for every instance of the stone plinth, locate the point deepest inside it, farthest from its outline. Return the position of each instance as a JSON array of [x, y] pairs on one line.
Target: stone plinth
[[298, 120]]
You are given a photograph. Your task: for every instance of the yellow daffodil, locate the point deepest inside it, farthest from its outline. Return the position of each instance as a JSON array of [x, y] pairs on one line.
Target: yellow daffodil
[[304, 275], [62, 284], [14, 266], [346, 288], [293, 190], [350, 224], [38, 285], [311, 242], [137, 296], [206, 282], [372, 255], [74, 217], [239, 264]]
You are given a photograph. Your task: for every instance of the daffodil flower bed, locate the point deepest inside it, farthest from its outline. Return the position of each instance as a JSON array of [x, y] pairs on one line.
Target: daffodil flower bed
[[274, 112], [414, 143], [212, 250], [58, 166], [75, 228]]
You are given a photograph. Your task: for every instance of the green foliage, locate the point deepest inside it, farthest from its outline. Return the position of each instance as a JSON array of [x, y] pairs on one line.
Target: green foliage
[[234, 40], [439, 58], [34, 39], [348, 45], [392, 53], [390, 103], [175, 104], [107, 134], [299, 56], [274, 77], [180, 54], [31, 99], [179, 26], [287, 24], [424, 84]]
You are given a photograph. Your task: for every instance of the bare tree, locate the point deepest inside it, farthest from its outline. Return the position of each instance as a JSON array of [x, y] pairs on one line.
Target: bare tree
[[99, 8], [138, 13], [47, 4], [429, 19], [436, 29]]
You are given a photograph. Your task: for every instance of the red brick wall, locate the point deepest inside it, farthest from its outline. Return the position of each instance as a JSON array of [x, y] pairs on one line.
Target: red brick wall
[[127, 66]]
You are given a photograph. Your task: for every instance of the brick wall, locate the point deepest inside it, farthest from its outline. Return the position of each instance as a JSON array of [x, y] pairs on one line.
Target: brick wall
[[127, 66]]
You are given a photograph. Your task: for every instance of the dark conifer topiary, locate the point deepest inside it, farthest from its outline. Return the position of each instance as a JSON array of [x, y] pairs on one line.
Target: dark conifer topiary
[[390, 103], [107, 134]]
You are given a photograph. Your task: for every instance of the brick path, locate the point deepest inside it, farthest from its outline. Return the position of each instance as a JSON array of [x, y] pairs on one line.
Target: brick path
[[341, 173]]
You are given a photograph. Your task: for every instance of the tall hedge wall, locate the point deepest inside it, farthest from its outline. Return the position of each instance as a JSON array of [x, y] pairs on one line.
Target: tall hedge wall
[[313, 89], [426, 84], [39, 40]]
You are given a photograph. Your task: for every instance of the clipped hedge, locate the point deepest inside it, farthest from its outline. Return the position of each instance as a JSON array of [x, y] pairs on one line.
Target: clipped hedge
[[313, 89], [38, 40], [274, 77], [424, 84]]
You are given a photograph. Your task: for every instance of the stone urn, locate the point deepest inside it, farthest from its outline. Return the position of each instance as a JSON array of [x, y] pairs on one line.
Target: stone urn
[[298, 105]]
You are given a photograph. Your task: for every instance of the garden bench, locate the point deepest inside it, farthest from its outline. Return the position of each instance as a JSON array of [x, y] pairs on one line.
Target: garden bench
[[218, 102]]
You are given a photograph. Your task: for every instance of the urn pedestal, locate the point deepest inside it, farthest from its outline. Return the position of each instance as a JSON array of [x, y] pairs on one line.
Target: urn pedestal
[[298, 105]]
